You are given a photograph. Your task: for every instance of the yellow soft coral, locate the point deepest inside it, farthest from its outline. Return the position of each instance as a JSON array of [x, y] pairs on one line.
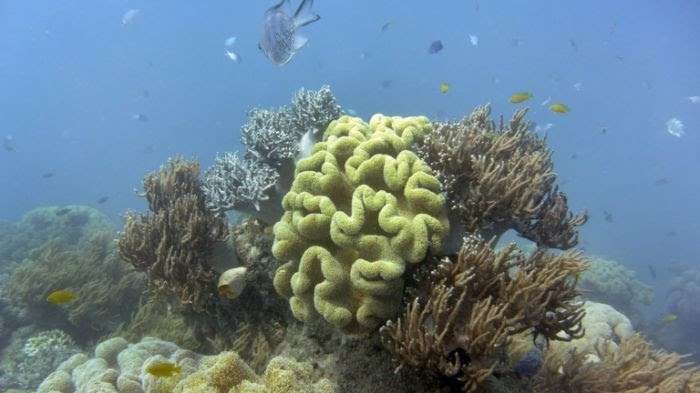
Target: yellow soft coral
[[361, 206]]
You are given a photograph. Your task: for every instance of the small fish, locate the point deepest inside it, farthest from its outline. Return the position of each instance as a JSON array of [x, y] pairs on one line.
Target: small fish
[[559, 108], [102, 199], [520, 97], [435, 47], [140, 117], [675, 127], [61, 297], [474, 40], [573, 44], [647, 85], [351, 112], [386, 26], [671, 233], [129, 16], [670, 317], [444, 87], [145, 93], [578, 86], [476, 6], [662, 182], [148, 149], [63, 211], [604, 130], [620, 59], [386, 84], [516, 42], [652, 272], [163, 369], [7, 143], [279, 41], [545, 102], [233, 56], [48, 175], [608, 217], [694, 99], [230, 41], [574, 156]]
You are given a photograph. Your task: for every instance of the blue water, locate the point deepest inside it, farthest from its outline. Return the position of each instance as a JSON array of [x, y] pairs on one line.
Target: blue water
[[72, 77]]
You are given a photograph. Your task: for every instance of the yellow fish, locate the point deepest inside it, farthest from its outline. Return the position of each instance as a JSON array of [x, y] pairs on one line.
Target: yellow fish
[[520, 97], [164, 369], [61, 297], [444, 87], [559, 108], [670, 317]]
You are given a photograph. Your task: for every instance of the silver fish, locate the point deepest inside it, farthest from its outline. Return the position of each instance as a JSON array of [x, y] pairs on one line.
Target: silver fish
[[279, 41], [129, 16]]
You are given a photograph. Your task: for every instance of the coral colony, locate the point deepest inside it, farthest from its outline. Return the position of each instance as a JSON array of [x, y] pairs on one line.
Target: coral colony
[[366, 260]]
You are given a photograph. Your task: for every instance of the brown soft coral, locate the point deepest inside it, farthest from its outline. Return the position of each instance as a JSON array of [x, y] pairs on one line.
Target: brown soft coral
[[500, 178], [173, 243], [461, 327], [634, 367]]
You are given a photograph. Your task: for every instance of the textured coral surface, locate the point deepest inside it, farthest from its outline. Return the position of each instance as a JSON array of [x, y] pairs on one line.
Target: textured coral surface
[[361, 207]]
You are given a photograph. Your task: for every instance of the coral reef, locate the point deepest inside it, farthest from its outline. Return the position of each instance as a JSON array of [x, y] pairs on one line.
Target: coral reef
[[361, 207], [601, 322], [501, 178], [120, 366], [609, 282], [172, 245], [461, 327], [69, 225], [681, 334], [107, 291], [355, 364], [256, 183], [633, 366], [37, 357], [683, 297]]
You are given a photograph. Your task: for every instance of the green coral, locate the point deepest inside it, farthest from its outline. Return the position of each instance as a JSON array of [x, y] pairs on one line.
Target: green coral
[[361, 206]]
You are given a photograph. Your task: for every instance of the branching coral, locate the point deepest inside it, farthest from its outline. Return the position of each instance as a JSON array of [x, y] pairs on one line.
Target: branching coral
[[39, 356], [361, 208], [633, 367], [172, 245], [256, 183], [476, 302], [501, 178]]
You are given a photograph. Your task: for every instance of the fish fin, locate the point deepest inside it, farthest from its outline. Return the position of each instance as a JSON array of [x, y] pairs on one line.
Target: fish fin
[[304, 6], [299, 42], [278, 5], [308, 16]]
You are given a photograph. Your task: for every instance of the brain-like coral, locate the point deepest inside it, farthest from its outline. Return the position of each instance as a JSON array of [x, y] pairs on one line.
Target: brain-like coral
[[608, 281], [118, 366], [361, 207]]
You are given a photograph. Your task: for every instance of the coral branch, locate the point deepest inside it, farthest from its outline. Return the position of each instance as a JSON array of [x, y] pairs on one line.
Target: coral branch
[[256, 183], [173, 243], [501, 178], [477, 301]]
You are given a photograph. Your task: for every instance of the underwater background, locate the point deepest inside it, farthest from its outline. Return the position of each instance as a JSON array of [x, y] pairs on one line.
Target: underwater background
[[91, 102]]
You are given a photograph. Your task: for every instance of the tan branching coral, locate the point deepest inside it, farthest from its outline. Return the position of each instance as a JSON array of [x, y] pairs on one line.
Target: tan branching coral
[[633, 367], [173, 243], [499, 178], [480, 299]]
